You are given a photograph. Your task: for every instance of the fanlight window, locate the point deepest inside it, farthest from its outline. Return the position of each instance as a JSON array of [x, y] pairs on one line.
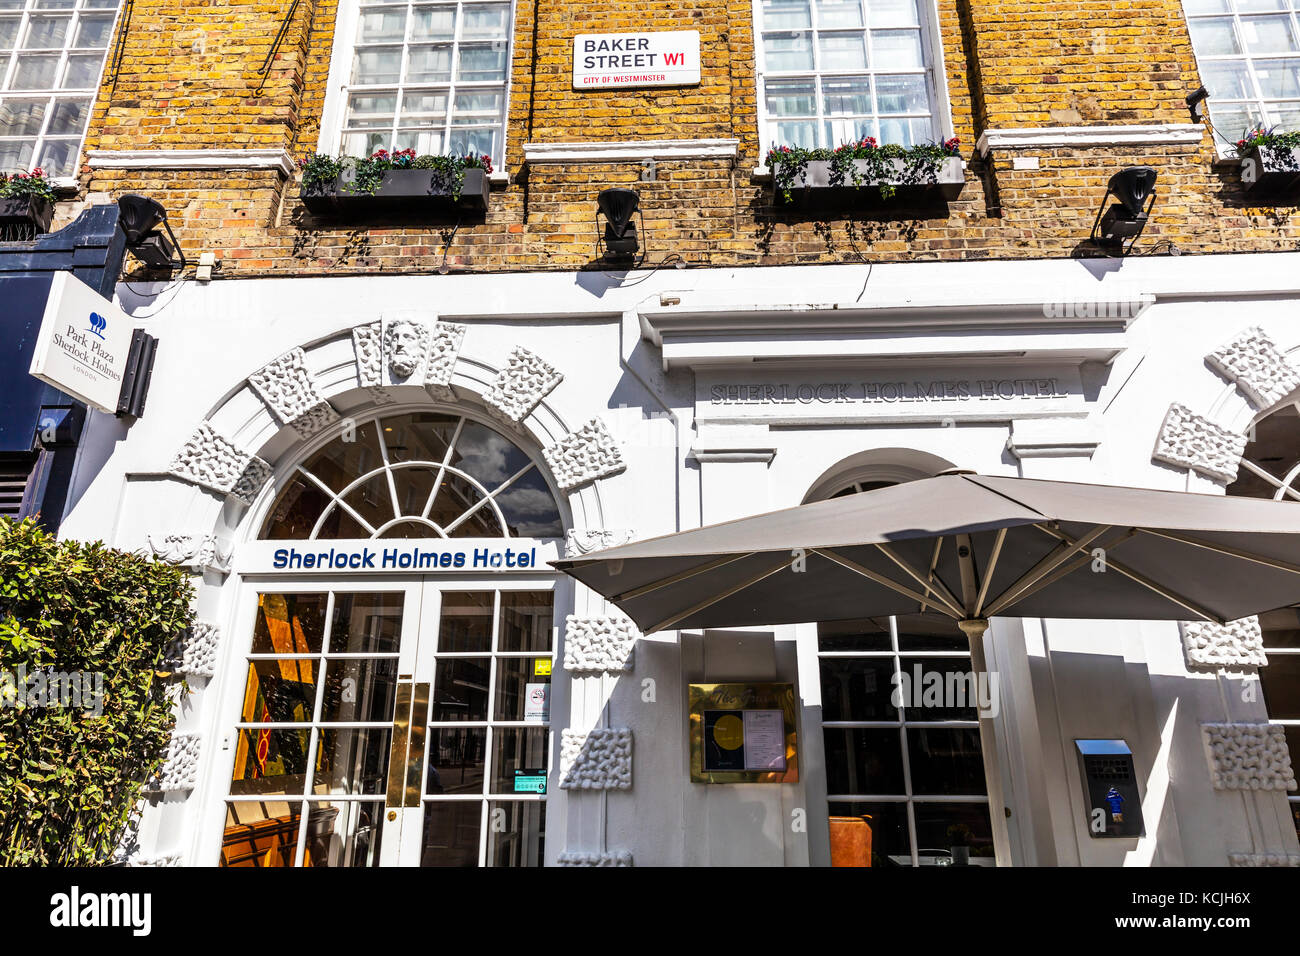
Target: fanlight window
[[417, 475]]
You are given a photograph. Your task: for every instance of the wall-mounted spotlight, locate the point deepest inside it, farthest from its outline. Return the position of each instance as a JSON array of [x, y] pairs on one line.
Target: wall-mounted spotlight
[[140, 218], [1135, 188], [1194, 101], [618, 205]]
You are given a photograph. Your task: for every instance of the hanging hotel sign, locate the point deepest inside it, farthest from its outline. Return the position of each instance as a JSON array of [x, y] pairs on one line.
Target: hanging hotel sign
[[901, 394], [667, 58], [397, 556], [84, 345]]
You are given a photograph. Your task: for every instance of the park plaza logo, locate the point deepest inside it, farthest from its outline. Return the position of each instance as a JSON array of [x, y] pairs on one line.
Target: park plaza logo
[[97, 324]]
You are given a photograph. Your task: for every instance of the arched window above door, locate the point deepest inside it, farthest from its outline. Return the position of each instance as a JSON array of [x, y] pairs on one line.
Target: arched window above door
[[416, 475]]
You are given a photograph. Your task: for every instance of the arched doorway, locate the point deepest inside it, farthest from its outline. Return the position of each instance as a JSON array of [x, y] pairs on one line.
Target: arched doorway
[[394, 701], [1270, 468], [905, 778]]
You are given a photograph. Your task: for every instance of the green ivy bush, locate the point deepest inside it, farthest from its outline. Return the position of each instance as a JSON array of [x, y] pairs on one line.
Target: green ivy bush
[[920, 164], [70, 780], [368, 172]]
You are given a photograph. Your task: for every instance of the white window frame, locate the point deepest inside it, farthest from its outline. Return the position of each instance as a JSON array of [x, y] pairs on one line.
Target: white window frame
[[1226, 139], [336, 95], [931, 53], [10, 66]]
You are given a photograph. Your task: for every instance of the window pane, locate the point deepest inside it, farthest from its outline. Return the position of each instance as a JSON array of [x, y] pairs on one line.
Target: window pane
[[1233, 122], [849, 130], [58, 157], [69, 117], [869, 634], [451, 833], [905, 132], [16, 156], [260, 834], [842, 51], [785, 14], [423, 141], [834, 14], [344, 834], [1213, 36], [526, 621], [858, 688], [429, 64], [851, 95], [378, 26], [945, 830], [516, 748], [487, 456], [940, 689], [929, 632], [893, 49], [359, 689], [352, 760], [21, 117], [466, 622], [877, 828], [54, 4], [1268, 34], [902, 94], [94, 30], [863, 761], [479, 103], [1286, 118], [788, 51], [946, 761], [456, 759], [1227, 79], [802, 134], [1258, 6], [377, 66], [280, 691], [893, 13], [8, 32], [289, 624], [1281, 683], [426, 107], [434, 23], [488, 20], [460, 689], [791, 98], [520, 840], [371, 110], [270, 761], [1277, 78], [46, 32], [356, 144], [82, 71], [34, 72], [1205, 6], [521, 694], [482, 61]]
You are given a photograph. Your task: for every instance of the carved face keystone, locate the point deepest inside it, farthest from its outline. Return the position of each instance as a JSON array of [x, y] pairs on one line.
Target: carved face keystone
[[403, 344]]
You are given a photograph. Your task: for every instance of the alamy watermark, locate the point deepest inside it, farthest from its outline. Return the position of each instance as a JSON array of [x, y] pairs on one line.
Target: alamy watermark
[[47, 688], [946, 689], [1097, 308]]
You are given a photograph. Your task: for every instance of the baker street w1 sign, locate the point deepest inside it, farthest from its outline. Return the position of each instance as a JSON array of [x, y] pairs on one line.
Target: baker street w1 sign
[[604, 60]]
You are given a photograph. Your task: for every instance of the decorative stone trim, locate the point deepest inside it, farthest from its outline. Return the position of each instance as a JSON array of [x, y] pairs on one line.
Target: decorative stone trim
[[599, 643], [444, 349], [597, 760], [1257, 366], [213, 461], [167, 860], [198, 651], [1248, 756], [180, 770], [632, 151], [398, 350], [521, 385], [1237, 644], [1264, 859], [368, 346], [1194, 442], [583, 456], [579, 541], [579, 858], [202, 552], [191, 159], [289, 392], [1051, 137]]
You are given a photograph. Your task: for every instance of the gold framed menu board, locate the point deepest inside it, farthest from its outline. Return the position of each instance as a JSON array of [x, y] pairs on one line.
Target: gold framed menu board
[[743, 733]]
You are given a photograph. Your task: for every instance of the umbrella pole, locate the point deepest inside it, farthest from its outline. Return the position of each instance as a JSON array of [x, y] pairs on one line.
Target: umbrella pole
[[974, 629]]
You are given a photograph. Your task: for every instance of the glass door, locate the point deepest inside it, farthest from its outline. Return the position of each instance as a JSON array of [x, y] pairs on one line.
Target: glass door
[[393, 724]]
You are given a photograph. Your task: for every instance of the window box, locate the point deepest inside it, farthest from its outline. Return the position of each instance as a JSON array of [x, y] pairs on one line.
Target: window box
[[1268, 169], [26, 214], [401, 191], [949, 178]]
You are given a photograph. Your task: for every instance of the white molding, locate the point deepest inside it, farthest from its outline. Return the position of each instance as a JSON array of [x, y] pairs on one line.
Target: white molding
[[1155, 134], [630, 151], [191, 159]]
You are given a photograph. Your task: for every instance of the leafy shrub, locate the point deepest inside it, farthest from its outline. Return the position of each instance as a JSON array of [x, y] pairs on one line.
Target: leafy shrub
[[920, 164], [70, 780], [18, 185], [368, 172]]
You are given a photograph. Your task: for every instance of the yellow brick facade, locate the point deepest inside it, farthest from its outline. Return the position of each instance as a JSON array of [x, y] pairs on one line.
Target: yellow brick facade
[[189, 80]]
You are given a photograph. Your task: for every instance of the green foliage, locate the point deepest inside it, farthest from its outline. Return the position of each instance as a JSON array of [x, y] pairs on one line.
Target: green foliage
[[34, 184], [320, 170], [860, 164], [1261, 137], [70, 779], [367, 173]]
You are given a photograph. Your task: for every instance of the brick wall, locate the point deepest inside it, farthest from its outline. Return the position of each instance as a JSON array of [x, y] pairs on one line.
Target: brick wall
[[189, 80]]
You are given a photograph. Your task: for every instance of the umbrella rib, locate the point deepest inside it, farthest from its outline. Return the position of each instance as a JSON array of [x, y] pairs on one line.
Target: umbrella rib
[[934, 563], [933, 583], [679, 615], [680, 576], [988, 572], [1153, 586], [1067, 569], [880, 579], [1220, 549], [1050, 562]]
